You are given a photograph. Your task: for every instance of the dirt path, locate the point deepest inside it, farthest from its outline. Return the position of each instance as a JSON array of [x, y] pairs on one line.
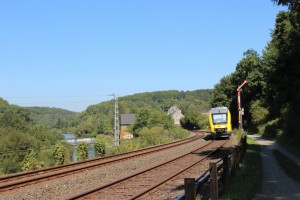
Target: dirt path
[[276, 184]]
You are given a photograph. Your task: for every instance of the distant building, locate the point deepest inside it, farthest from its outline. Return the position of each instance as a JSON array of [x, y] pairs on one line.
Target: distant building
[[125, 121], [176, 114]]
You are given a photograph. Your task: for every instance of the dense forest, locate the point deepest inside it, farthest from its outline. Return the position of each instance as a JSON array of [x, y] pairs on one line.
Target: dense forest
[[271, 97], [52, 117]]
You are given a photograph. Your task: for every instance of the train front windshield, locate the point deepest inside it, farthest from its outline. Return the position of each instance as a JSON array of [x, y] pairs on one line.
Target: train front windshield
[[219, 118]]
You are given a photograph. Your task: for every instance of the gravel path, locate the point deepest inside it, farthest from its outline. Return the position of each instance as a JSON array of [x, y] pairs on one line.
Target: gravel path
[[276, 184]]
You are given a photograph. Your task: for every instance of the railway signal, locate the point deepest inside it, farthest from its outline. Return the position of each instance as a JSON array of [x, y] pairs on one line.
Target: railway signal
[[241, 110]]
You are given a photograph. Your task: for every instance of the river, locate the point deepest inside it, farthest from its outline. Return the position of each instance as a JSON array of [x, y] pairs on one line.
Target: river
[[71, 138]]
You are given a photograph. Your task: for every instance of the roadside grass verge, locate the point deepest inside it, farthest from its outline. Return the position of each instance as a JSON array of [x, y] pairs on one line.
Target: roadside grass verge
[[291, 144], [287, 165], [247, 180]]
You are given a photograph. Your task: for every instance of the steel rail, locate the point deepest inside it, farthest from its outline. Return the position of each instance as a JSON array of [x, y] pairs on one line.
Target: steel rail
[[8, 182], [97, 189], [144, 192]]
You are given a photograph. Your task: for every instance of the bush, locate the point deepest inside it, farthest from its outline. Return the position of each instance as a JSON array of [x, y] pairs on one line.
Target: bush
[[153, 136], [30, 162], [179, 133], [258, 113], [194, 120], [239, 134], [99, 146], [107, 139], [271, 129], [59, 154], [148, 137], [82, 151], [10, 165]]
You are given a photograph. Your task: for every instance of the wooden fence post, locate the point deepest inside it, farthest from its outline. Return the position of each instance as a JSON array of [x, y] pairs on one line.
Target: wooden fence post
[[213, 181], [189, 188], [234, 160], [225, 172]]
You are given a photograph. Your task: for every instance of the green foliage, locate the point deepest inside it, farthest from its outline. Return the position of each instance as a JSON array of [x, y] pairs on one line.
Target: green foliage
[[292, 144], [10, 165], [249, 68], [31, 162], [194, 120], [126, 146], [82, 151], [149, 137], [59, 154], [222, 92], [52, 117], [99, 118], [154, 135], [259, 114], [178, 133], [271, 129], [284, 95], [107, 139], [149, 118], [18, 135], [99, 146], [239, 134], [271, 97]]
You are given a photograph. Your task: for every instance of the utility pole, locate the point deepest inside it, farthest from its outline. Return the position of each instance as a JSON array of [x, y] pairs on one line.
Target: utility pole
[[240, 109], [116, 125]]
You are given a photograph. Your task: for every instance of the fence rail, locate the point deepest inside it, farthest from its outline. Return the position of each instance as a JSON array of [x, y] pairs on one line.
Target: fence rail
[[217, 176]]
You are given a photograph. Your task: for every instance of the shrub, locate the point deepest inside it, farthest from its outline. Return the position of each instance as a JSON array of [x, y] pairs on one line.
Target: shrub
[[99, 146], [179, 133], [82, 151], [239, 134], [59, 154], [271, 129], [30, 162], [153, 136]]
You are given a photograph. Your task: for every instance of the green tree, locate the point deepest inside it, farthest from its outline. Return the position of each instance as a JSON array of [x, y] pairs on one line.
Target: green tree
[[223, 92], [194, 120], [284, 95], [58, 154], [99, 146], [148, 118], [31, 162], [249, 68], [154, 135], [82, 151]]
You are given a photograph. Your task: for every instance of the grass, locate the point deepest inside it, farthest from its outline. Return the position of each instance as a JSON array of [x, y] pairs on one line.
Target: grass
[[247, 180], [287, 165]]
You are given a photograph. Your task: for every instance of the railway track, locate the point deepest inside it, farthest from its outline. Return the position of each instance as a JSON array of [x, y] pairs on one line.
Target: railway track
[[28, 178], [140, 184]]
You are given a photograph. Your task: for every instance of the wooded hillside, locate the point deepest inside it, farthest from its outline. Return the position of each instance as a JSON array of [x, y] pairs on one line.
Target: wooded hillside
[[99, 118], [52, 117]]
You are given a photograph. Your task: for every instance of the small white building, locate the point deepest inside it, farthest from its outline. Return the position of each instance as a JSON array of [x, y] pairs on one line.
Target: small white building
[[176, 114]]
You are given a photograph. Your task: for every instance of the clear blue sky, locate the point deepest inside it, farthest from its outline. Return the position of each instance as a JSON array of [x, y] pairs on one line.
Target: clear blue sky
[[71, 54]]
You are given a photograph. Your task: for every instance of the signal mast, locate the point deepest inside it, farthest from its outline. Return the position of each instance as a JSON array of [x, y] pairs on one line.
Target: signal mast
[[241, 110]]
